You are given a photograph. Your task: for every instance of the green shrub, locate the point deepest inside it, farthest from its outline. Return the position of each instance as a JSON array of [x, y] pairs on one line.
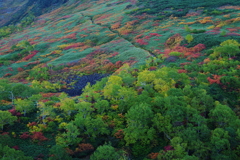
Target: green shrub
[[178, 54]]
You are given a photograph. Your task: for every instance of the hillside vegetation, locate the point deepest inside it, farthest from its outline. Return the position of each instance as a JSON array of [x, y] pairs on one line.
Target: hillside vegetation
[[122, 79]]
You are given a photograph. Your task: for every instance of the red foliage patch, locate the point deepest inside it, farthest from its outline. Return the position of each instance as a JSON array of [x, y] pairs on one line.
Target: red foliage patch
[[168, 148], [182, 71], [20, 69], [47, 95], [232, 29], [119, 134], [25, 135], [5, 133], [103, 17], [118, 64], [147, 37], [215, 79], [14, 112], [67, 16], [33, 53], [185, 63], [74, 46], [7, 74], [141, 42], [153, 155], [38, 136], [155, 34], [70, 36], [10, 68], [114, 54], [15, 147], [192, 52], [84, 147], [32, 124], [32, 63], [152, 68]]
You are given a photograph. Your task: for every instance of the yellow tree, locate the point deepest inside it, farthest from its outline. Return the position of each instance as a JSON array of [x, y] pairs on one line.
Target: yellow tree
[[112, 87]]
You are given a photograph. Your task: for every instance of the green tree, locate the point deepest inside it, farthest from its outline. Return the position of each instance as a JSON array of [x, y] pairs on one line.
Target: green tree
[[70, 137], [14, 90], [58, 153], [45, 111], [222, 115], [101, 106], [24, 105], [22, 90], [138, 125], [92, 127], [35, 98], [189, 38], [219, 143], [163, 125], [67, 105], [105, 152], [39, 74], [6, 118], [6, 140], [25, 46], [112, 87], [84, 109], [178, 151], [7, 153]]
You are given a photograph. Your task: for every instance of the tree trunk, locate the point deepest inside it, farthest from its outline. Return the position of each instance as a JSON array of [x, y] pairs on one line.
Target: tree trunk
[[12, 97]]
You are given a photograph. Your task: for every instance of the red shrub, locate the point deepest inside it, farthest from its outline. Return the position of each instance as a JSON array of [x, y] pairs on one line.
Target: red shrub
[[32, 63], [182, 71], [84, 147], [168, 148], [153, 155], [118, 64], [7, 74], [73, 46], [141, 42], [119, 134], [30, 55], [25, 135], [5, 133], [15, 147], [38, 136], [185, 63], [67, 16], [147, 37], [114, 54], [155, 34], [10, 68], [138, 36], [20, 69], [14, 112], [32, 124], [152, 68], [70, 36], [116, 25], [215, 79]]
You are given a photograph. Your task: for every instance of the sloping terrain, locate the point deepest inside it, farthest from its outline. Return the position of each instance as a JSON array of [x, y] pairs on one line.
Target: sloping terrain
[[121, 79], [13, 11]]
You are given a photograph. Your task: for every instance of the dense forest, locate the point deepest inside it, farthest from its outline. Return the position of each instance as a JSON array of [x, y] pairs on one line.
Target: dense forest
[[121, 80]]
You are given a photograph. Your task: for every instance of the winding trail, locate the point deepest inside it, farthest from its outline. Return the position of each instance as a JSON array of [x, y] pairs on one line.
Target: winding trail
[[118, 34]]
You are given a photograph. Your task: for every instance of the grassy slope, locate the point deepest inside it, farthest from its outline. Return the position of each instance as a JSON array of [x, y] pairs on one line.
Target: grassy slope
[[72, 24]]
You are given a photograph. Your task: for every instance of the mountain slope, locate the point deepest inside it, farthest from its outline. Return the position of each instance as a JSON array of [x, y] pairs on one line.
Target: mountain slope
[[82, 28], [13, 11]]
